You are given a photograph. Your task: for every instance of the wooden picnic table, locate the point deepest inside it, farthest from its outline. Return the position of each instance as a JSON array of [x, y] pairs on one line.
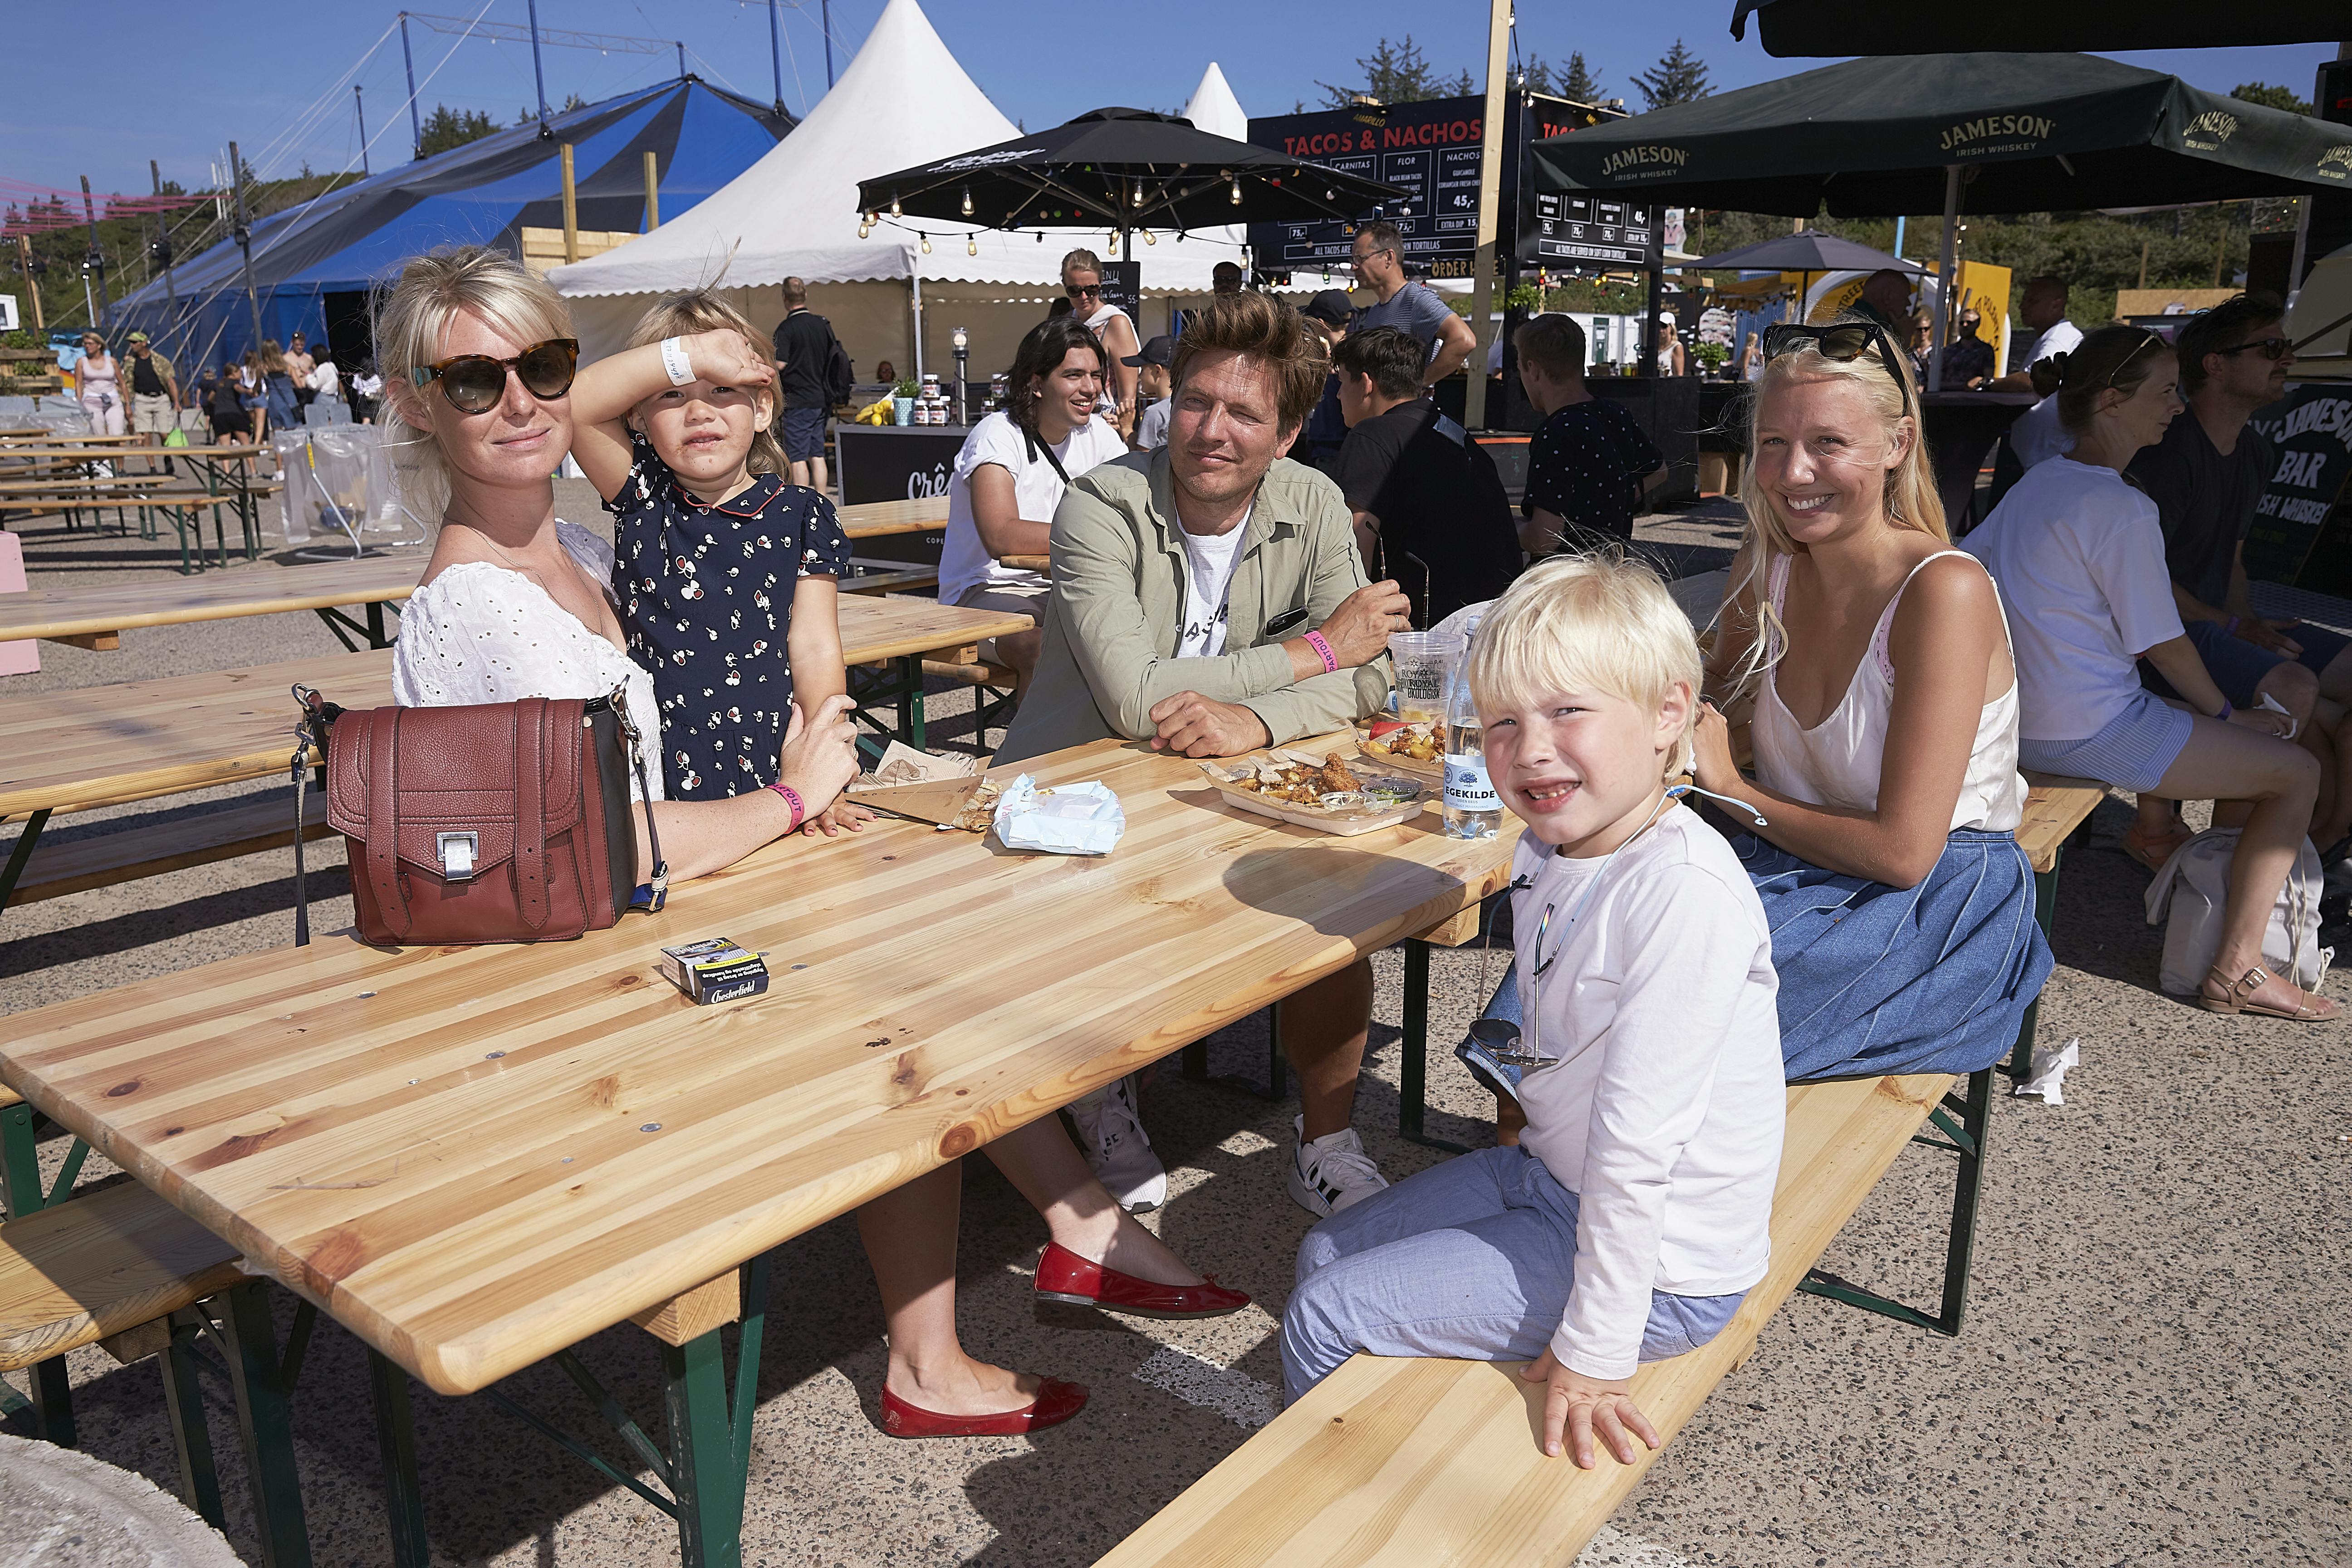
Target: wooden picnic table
[[95, 616], [37, 434], [474, 1158], [45, 489], [69, 749]]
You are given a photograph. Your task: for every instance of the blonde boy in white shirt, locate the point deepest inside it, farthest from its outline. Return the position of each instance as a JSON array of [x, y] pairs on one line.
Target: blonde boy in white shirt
[[1631, 1219]]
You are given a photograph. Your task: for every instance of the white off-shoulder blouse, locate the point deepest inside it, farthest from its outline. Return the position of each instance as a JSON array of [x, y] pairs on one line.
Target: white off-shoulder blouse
[[479, 632]]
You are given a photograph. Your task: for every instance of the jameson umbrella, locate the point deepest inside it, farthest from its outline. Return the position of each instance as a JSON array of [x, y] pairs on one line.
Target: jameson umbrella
[[1904, 133], [1843, 28], [1126, 169]]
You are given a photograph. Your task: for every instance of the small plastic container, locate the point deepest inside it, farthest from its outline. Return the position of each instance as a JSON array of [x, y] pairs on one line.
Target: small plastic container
[[1424, 660]]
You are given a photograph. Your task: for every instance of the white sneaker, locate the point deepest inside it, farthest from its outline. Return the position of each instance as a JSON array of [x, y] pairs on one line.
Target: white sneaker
[[1333, 1171], [1111, 1133]]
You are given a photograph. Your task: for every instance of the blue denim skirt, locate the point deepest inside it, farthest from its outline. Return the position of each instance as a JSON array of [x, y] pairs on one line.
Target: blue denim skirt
[[1874, 979]]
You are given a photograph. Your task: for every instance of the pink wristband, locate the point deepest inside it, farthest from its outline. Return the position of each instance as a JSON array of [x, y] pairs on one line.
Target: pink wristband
[[1323, 651], [792, 798]]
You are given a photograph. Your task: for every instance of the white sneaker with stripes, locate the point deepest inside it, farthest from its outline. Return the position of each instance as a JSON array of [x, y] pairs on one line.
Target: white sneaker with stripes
[[1332, 1172]]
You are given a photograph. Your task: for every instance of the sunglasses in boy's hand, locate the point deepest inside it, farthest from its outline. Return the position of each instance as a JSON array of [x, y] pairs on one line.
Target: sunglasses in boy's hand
[[1840, 341], [475, 383]]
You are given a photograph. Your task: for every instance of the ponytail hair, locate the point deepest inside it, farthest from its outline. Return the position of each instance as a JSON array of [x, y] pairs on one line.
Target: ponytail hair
[[2113, 358]]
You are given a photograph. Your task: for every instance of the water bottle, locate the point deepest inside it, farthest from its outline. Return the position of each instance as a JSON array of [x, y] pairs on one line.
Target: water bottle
[[1472, 809]]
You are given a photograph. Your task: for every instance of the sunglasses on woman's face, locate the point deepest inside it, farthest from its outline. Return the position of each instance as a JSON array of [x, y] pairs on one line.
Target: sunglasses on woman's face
[[1082, 291], [1843, 341], [474, 383]]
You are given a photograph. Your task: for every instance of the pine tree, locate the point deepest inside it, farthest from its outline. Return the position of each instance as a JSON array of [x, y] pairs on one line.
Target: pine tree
[[1398, 73], [1678, 78], [445, 128], [1577, 82]]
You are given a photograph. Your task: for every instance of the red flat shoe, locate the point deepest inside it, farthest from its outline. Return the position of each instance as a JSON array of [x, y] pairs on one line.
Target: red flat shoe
[[1064, 1276], [1055, 1402]]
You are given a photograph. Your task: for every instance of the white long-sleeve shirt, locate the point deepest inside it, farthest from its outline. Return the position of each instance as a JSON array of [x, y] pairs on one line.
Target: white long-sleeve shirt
[[1664, 1114]]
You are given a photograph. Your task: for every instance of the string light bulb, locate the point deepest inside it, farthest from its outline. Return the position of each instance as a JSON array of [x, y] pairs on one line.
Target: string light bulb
[[895, 210], [1237, 193], [972, 245], [967, 202], [926, 245], [864, 228], [1148, 237]]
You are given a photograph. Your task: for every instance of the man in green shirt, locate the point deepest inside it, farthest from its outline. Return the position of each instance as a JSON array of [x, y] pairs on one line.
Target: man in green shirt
[[1209, 597]]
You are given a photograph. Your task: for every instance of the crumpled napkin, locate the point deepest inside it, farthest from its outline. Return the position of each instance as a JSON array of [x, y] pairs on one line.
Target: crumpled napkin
[[1068, 819], [2044, 1077]]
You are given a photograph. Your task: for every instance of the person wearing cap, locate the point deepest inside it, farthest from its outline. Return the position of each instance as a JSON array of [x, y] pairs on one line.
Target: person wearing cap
[[1150, 368], [155, 394], [1327, 427]]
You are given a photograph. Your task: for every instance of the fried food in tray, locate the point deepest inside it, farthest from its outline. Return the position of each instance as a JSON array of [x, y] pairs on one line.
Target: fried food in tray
[[1327, 784]]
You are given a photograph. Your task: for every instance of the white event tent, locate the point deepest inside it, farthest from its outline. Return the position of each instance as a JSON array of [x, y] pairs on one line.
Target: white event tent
[[904, 100]]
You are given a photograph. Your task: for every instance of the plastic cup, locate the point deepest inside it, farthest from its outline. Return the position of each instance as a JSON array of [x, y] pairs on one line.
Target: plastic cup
[[1424, 660]]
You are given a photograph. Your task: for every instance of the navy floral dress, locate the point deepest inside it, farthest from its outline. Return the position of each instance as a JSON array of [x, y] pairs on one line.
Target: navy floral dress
[[706, 596]]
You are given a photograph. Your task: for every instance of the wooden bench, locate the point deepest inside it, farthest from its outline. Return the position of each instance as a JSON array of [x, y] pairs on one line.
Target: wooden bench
[[123, 1269], [53, 869], [888, 578], [1430, 1461]]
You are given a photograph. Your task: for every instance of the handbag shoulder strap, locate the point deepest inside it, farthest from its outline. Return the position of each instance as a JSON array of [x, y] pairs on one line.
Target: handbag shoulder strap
[[533, 715], [383, 764]]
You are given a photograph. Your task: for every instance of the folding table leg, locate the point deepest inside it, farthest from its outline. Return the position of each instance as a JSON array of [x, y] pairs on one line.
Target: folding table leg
[[404, 1495], [703, 1458], [21, 854], [192, 1440], [265, 1425], [1412, 1065], [2045, 910]]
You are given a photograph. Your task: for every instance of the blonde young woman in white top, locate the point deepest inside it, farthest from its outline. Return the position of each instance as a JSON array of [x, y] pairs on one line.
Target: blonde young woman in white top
[[1082, 281], [1875, 663]]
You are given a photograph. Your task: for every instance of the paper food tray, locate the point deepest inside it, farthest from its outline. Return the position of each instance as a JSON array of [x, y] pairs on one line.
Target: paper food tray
[[1346, 820]]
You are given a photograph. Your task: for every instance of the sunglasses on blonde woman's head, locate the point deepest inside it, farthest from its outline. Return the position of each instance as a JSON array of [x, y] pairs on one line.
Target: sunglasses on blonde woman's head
[[474, 383], [1840, 341]]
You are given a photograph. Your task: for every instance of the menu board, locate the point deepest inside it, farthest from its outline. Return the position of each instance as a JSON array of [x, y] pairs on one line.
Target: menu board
[[1432, 150], [1571, 230]]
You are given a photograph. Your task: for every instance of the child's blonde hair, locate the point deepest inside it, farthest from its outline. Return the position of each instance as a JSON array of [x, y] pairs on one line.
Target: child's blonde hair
[[702, 311], [1600, 622]]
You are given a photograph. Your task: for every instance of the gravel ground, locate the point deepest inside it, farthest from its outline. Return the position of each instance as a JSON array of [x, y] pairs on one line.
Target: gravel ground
[[2151, 1371]]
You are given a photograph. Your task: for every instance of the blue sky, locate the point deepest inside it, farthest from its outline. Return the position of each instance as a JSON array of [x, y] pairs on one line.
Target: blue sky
[[168, 86]]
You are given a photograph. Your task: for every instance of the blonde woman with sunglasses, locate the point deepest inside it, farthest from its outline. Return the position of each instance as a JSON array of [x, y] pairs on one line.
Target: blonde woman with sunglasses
[[1082, 283], [1874, 664]]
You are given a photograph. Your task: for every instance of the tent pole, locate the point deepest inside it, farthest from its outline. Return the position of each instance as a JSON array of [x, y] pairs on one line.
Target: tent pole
[[824, 16], [653, 193], [359, 107], [1951, 250], [98, 257], [171, 291], [776, 55], [245, 241], [538, 75], [415, 126], [1490, 196], [571, 208], [915, 284]]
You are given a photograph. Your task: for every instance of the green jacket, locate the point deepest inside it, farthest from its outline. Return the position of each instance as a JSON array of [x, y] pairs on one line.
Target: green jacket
[[1118, 607]]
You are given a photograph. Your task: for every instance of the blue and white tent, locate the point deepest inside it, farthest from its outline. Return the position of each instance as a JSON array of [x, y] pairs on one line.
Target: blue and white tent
[[313, 265]]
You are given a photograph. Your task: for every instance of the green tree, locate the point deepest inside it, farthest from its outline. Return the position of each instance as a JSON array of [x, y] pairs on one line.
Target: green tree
[[2270, 97], [445, 128], [1573, 81], [1679, 77], [1398, 73], [572, 100]]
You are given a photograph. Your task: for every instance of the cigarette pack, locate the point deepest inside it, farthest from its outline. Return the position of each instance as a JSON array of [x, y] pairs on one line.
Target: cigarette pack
[[714, 969]]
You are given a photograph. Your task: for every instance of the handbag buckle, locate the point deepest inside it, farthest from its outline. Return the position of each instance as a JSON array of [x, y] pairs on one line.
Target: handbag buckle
[[458, 852]]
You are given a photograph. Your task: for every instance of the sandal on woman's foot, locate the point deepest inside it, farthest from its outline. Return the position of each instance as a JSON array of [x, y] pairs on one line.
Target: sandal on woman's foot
[[2237, 997], [2153, 850]]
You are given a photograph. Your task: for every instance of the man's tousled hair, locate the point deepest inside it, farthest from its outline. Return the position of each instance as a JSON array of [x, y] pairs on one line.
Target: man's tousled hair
[[1266, 330], [2222, 327], [1391, 357]]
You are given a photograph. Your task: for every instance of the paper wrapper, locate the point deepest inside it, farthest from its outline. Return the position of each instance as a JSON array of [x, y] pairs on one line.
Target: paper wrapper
[[1068, 819]]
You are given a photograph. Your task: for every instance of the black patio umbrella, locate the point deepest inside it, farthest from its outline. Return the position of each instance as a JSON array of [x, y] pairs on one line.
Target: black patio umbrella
[[1814, 250], [2029, 132], [1842, 28], [1904, 133], [1126, 169]]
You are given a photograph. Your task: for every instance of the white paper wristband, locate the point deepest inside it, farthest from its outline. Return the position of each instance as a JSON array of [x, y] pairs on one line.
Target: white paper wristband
[[673, 361]]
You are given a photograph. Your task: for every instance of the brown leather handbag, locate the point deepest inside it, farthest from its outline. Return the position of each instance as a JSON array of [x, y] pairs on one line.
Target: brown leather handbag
[[501, 822]]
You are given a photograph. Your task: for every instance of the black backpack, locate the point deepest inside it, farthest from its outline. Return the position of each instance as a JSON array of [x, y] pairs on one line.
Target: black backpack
[[838, 380]]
